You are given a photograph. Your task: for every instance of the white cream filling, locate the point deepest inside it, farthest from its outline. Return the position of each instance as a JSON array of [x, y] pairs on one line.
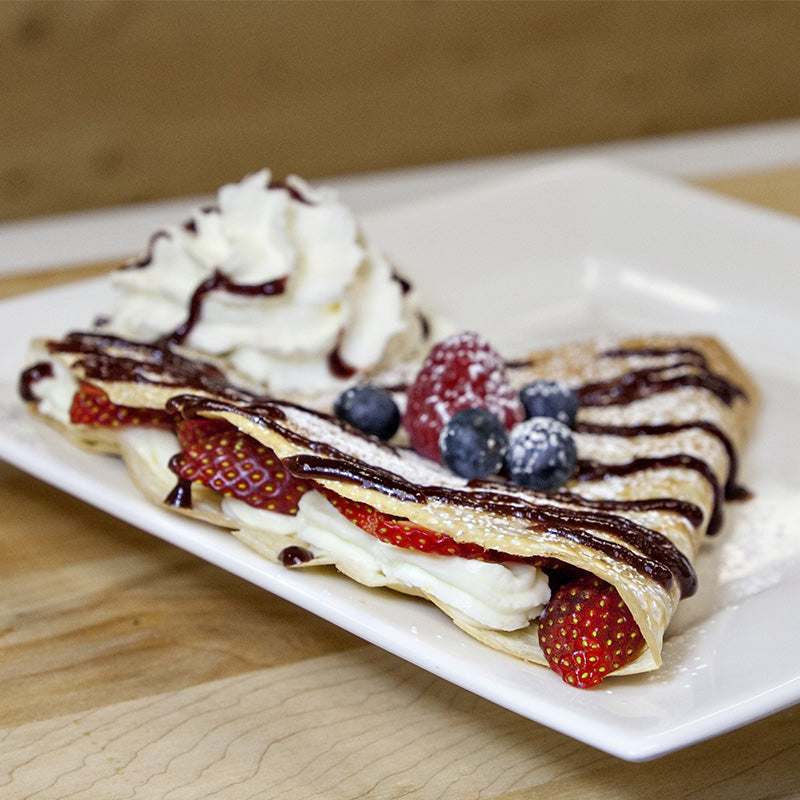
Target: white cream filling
[[497, 596], [261, 520], [147, 452]]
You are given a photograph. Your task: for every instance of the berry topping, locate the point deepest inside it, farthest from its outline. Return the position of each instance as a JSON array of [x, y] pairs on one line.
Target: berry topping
[[541, 454], [550, 399], [92, 406], [370, 409], [473, 443], [236, 465], [462, 371], [586, 632]]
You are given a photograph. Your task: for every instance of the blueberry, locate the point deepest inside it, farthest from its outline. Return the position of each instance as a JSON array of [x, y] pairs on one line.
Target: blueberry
[[550, 399], [473, 443], [370, 409], [541, 453]]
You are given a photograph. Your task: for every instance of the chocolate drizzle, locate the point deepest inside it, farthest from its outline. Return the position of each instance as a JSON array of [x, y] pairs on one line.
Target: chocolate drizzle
[[113, 359], [660, 560], [598, 525], [293, 192], [293, 555], [642, 383], [219, 282], [30, 377], [338, 367], [593, 470], [181, 494], [147, 258], [344, 468], [405, 285], [589, 470], [190, 225]]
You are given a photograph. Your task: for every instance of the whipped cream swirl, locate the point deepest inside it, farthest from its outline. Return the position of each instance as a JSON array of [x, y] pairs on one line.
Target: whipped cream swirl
[[279, 282]]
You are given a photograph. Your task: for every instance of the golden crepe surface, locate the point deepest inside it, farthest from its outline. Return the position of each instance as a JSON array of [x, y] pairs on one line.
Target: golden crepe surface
[[660, 423]]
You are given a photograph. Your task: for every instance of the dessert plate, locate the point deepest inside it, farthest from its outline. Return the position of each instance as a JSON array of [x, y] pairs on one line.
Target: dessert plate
[[560, 252]]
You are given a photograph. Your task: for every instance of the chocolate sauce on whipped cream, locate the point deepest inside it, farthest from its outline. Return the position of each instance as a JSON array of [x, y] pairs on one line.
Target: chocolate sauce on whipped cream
[[190, 224], [338, 367], [219, 282]]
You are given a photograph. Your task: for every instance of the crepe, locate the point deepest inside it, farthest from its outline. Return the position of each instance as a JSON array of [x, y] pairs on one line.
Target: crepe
[[660, 423], [661, 420]]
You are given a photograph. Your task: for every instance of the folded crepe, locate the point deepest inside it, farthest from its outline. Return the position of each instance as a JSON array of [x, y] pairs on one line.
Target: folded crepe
[[660, 423], [661, 420]]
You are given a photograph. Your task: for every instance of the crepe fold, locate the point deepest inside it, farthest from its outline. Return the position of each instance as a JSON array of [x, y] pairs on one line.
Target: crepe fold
[[660, 423]]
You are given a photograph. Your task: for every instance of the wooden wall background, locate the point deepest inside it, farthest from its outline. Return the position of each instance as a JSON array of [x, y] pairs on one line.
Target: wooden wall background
[[113, 102]]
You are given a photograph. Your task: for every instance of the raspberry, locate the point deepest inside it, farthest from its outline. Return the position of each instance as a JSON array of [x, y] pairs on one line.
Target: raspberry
[[462, 371]]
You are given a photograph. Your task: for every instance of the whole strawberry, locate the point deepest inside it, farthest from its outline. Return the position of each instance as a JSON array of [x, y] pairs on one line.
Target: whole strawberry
[[587, 632], [224, 459], [462, 371]]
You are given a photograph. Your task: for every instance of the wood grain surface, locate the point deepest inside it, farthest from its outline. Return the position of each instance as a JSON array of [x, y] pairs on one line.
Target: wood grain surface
[[130, 668], [127, 100]]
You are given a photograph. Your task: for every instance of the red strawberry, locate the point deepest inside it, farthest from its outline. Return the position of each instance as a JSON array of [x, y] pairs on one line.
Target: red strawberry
[[398, 530], [194, 432], [401, 532], [462, 371], [586, 632], [92, 406], [224, 459]]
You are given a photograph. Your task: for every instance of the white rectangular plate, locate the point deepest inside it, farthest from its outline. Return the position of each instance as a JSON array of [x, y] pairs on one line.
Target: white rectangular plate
[[556, 253]]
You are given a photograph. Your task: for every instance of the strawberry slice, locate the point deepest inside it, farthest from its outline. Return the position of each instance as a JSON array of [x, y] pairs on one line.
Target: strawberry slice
[[586, 632], [228, 461], [462, 371], [401, 532], [194, 432], [92, 406]]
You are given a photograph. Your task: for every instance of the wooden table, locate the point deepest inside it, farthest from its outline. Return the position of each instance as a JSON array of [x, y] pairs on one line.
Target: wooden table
[[132, 669]]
